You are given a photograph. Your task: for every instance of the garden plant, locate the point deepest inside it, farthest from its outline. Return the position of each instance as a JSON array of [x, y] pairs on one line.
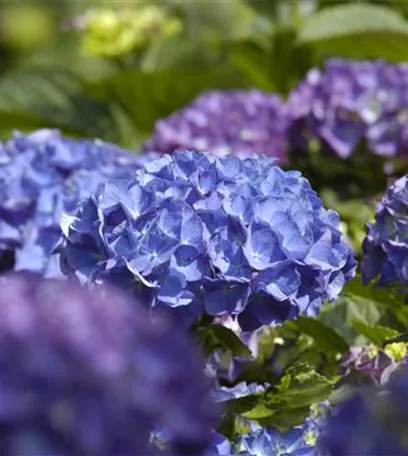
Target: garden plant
[[204, 228]]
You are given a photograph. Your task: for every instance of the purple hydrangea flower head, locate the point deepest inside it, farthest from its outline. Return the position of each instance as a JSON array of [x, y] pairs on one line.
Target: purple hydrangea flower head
[[91, 374], [43, 174], [348, 101], [370, 422], [385, 247], [225, 122], [195, 233]]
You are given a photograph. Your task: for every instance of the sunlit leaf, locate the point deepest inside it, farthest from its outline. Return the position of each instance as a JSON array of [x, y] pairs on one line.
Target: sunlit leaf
[[325, 337], [374, 333]]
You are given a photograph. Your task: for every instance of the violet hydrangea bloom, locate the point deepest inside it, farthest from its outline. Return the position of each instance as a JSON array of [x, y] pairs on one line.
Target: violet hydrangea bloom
[[385, 248], [194, 233], [348, 101], [225, 122], [371, 422], [41, 175], [377, 364], [90, 374]]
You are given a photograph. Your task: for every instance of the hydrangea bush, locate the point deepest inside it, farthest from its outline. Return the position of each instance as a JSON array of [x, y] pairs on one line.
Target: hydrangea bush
[[90, 374], [197, 233], [350, 101], [43, 174], [225, 122], [385, 248]]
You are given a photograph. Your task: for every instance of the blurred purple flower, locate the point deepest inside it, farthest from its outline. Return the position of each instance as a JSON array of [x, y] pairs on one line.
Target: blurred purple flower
[[90, 374], [225, 122], [370, 422], [348, 101], [194, 233], [41, 175]]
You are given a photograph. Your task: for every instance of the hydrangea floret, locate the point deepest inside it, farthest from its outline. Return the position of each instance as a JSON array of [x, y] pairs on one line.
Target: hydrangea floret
[[43, 174], [349, 101], [195, 233], [385, 247], [235, 122]]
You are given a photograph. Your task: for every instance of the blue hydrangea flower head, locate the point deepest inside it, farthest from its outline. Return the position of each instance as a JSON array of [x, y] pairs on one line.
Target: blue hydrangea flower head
[[90, 374], [261, 441], [350, 101], [200, 234], [385, 247], [370, 422], [225, 122], [43, 174]]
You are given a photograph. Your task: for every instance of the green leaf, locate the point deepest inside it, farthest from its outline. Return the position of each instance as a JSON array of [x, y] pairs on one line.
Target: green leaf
[[264, 7], [374, 333], [397, 339], [326, 338], [228, 21], [215, 337], [357, 30], [146, 97], [284, 13], [340, 314], [384, 297], [289, 60], [176, 52], [288, 401], [243, 405], [32, 98], [366, 304], [253, 61], [300, 386], [228, 425]]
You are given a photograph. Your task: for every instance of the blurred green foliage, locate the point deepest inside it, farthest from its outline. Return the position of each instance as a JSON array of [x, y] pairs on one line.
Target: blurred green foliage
[[134, 62]]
